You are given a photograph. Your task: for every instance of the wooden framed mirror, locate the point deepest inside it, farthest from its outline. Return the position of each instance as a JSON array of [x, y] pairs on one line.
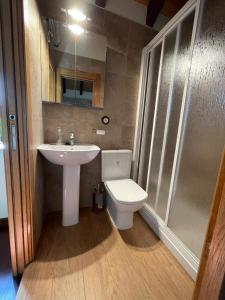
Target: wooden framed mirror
[[79, 88]]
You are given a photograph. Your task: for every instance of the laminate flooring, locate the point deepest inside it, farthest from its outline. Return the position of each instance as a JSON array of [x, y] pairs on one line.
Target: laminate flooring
[[94, 260]]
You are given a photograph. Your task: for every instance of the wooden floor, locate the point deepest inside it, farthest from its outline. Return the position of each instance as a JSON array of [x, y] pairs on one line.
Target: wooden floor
[[93, 260]]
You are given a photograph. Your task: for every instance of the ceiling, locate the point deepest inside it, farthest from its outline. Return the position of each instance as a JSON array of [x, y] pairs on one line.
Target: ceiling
[[170, 7]]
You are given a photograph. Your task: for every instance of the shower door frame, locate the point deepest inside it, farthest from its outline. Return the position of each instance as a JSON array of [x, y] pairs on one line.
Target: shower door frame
[[189, 261]]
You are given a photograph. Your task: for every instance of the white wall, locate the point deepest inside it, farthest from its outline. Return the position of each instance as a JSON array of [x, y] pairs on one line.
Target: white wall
[[3, 200]]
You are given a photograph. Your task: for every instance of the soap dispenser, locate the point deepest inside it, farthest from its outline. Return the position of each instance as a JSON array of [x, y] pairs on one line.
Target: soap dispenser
[[60, 136]]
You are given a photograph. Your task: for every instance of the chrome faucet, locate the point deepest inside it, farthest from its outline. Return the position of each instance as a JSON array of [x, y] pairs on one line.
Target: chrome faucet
[[72, 138]]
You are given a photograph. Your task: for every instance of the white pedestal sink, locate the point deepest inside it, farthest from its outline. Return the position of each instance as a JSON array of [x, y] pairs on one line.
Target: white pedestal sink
[[70, 157]]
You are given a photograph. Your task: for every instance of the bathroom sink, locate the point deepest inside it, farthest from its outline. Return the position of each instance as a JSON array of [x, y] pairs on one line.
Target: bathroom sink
[[70, 157], [77, 154]]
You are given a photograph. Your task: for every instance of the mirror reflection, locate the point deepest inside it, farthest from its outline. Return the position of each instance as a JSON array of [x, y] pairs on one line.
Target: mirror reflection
[[78, 92], [76, 55]]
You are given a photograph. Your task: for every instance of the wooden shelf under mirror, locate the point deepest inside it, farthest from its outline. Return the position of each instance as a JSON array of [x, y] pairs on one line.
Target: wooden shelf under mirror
[[89, 83]]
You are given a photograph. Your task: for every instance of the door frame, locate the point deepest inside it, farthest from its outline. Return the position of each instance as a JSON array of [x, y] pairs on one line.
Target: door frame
[[17, 159], [210, 283]]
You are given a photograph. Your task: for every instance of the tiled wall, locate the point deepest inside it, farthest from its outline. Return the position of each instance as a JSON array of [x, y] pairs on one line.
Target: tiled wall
[[125, 40]]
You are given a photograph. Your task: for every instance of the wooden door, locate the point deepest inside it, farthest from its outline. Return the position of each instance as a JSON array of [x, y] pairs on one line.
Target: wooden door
[[210, 282], [14, 116]]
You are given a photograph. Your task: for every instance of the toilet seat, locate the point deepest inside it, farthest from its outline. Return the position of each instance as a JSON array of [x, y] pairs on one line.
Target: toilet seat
[[126, 191]]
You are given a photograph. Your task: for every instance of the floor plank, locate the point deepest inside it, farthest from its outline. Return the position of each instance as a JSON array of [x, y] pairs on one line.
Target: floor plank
[[93, 260]]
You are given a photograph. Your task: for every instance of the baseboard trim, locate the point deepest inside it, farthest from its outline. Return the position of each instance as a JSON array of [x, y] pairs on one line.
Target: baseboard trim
[[184, 256]]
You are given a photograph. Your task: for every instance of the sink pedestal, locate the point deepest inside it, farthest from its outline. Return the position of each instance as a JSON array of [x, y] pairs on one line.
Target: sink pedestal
[[70, 157], [71, 188]]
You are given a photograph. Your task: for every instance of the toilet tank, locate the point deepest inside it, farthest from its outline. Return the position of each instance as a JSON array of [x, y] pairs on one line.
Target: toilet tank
[[116, 164]]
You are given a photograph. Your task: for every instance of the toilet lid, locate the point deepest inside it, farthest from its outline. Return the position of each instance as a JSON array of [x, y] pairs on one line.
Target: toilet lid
[[126, 191]]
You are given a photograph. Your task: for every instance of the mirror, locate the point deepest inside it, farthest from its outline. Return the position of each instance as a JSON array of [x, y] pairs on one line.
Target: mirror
[[75, 52], [78, 88]]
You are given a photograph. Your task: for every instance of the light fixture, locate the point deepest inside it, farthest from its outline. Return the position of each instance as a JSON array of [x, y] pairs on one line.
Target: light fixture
[[77, 15], [76, 29]]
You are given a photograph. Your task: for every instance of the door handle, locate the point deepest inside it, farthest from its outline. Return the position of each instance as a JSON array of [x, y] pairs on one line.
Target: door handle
[[13, 137], [13, 132]]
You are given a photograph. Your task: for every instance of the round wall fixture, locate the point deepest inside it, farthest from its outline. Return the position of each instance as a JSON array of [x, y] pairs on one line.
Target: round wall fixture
[[105, 120]]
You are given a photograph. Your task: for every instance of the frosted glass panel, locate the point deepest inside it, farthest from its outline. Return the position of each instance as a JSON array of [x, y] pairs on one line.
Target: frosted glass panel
[[181, 68], [161, 115], [204, 135], [149, 114]]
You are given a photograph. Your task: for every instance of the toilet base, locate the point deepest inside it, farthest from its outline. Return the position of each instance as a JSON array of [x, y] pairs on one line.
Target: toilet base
[[122, 220]]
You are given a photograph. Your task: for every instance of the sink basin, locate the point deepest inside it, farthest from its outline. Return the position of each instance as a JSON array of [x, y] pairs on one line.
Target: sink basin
[[70, 157]]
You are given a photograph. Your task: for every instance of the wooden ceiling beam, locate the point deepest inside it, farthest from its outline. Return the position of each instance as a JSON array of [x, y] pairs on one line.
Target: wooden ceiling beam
[[100, 3], [170, 7], [153, 10]]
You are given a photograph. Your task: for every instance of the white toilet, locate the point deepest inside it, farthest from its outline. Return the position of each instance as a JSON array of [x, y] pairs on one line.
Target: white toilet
[[123, 195]]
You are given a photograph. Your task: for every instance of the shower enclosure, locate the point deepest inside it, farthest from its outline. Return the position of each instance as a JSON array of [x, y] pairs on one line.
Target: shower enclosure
[[179, 140]]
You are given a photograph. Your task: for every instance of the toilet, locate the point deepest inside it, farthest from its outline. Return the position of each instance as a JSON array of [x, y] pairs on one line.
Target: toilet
[[123, 195]]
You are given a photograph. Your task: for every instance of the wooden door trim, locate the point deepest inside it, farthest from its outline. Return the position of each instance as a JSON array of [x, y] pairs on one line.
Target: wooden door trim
[[27, 87], [26, 154], [7, 162], [18, 166], [11, 108], [218, 208]]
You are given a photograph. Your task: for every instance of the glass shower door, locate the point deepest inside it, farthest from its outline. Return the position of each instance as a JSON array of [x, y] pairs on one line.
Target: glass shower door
[[153, 77], [201, 145], [160, 116], [178, 166], [180, 71], [168, 71]]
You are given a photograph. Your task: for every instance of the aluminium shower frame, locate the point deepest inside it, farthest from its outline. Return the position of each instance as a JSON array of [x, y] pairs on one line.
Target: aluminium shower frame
[[143, 97]]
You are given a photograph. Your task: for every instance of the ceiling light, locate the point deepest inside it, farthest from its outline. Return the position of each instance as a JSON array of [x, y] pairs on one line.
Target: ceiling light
[[76, 29], [77, 15]]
